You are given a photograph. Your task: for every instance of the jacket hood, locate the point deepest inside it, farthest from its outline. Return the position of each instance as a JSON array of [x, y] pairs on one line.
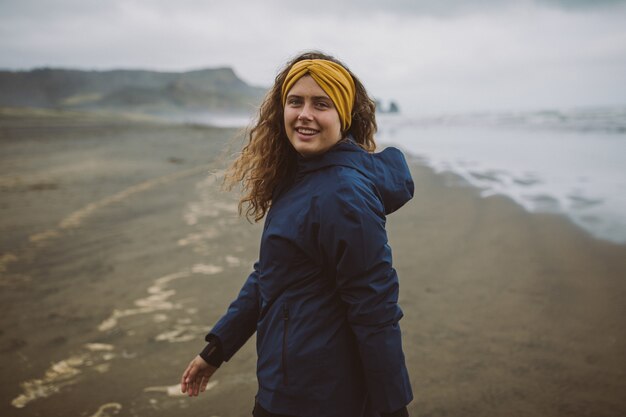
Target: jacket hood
[[388, 170]]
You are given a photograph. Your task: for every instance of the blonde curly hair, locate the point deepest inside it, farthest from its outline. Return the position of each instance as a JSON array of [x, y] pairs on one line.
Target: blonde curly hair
[[269, 158]]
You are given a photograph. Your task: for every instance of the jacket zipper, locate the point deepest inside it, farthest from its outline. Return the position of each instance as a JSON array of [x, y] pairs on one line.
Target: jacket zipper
[[284, 356]]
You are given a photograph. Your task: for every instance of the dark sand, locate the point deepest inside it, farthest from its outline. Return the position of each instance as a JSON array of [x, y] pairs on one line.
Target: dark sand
[[118, 252]]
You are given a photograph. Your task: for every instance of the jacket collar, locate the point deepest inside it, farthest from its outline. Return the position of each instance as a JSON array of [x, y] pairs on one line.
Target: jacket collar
[[387, 170]]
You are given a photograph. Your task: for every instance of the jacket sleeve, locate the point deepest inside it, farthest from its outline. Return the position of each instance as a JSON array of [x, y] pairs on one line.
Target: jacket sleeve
[[353, 239], [240, 320]]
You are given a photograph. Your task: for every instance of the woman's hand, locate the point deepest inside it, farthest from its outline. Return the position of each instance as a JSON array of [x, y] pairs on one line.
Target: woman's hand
[[196, 377]]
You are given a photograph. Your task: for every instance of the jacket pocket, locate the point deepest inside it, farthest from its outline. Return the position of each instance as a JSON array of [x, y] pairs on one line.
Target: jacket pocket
[[284, 347]]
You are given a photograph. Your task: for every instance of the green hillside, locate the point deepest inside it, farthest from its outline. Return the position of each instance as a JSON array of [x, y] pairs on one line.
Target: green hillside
[[152, 92]]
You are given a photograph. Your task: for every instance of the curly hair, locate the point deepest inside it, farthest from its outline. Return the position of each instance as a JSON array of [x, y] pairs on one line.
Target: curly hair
[[269, 158]]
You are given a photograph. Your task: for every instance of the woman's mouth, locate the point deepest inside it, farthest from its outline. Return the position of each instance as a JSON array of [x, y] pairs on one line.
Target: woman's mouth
[[305, 131]]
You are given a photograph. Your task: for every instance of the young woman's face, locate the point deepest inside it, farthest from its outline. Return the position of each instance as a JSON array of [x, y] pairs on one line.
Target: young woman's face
[[311, 119]]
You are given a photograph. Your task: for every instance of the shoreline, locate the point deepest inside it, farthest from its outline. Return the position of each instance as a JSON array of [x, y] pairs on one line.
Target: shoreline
[[455, 179], [529, 299], [505, 311]]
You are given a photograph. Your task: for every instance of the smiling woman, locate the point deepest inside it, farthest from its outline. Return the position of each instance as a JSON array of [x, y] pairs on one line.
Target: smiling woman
[[311, 120], [269, 157], [323, 295]]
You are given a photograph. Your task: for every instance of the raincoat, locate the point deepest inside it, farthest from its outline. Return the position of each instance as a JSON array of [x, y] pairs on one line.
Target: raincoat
[[323, 295]]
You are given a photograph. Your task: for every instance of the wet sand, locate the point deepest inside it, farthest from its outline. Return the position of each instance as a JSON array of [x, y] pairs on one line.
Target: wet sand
[[118, 252]]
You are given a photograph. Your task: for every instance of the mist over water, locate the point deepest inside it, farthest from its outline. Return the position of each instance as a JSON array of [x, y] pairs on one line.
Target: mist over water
[[563, 161], [226, 120]]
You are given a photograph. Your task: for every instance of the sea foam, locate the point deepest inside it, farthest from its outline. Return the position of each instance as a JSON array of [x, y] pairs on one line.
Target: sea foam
[[569, 162]]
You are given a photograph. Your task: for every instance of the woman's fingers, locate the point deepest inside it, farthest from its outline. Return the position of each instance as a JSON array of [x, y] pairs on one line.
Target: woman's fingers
[[196, 377], [183, 380], [197, 386], [188, 377], [205, 381]]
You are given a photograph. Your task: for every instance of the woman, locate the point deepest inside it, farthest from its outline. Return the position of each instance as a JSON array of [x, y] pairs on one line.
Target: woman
[[323, 294]]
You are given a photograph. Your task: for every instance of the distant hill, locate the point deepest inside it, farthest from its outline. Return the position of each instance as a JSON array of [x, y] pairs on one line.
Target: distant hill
[[140, 91]]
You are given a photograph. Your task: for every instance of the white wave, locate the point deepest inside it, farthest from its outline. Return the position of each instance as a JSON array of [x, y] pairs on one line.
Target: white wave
[[108, 410], [159, 298], [579, 174], [64, 373], [593, 119]]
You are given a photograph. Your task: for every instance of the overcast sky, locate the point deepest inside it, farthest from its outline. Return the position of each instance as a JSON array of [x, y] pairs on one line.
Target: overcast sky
[[430, 55]]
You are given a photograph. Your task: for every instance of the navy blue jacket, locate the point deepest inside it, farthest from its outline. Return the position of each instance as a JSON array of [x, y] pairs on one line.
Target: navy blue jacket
[[323, 295]]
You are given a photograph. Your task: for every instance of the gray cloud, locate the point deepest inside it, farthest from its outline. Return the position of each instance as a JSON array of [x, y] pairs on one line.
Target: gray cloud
[[428, 54], [581, 4], [63, 9]]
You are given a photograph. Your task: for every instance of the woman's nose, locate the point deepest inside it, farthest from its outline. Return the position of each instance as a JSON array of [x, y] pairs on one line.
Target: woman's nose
[[305, 113]]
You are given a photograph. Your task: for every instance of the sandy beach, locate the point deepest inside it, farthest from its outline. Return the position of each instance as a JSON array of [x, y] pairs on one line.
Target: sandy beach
[[118, 251]]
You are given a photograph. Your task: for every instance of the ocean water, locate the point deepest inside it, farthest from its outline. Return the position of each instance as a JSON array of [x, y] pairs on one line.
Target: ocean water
[[564, 161]]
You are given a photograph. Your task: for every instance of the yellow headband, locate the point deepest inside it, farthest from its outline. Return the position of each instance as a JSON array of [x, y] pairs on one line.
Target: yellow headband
[[334, 79]]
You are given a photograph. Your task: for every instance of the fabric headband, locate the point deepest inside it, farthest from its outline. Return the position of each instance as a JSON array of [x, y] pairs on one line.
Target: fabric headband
[[334, 79]]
